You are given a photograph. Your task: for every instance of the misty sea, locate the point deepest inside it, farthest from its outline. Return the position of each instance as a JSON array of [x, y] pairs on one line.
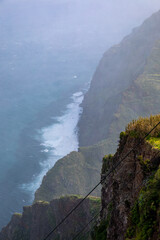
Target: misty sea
[[58, 140], [49, 51], [41, 97]]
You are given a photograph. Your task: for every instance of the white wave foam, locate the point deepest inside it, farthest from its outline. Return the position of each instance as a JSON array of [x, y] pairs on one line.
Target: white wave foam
[[59, 140]]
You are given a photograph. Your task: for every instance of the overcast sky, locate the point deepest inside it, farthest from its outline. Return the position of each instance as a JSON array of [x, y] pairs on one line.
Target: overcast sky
[[82, 21]]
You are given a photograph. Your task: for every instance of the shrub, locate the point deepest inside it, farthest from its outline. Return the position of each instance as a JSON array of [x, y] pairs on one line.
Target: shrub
[[140, 127], [107, 160], [144, 212]]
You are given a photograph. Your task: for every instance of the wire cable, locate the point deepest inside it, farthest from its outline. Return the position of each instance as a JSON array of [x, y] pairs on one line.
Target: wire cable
[[102, 180], [94, 218], [60, 223], [138, 188]]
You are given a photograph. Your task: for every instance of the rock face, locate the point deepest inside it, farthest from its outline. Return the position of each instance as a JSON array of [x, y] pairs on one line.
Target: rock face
[[76, 173], [123, 187], [39, 219], [125, 85]]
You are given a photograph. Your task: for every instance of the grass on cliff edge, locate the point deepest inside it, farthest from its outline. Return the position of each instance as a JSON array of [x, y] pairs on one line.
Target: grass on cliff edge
[[140, 127], [76, 196], [154, 141]]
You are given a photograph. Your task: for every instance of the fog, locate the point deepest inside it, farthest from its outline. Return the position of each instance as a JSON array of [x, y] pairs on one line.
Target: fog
[[60, 22], [49, 49]]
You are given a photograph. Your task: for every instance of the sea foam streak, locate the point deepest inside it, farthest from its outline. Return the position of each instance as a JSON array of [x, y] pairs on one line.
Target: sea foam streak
[[58, 140]]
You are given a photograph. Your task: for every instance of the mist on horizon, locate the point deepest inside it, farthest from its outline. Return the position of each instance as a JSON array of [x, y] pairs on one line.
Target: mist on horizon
[[90, 23], [49, 49]]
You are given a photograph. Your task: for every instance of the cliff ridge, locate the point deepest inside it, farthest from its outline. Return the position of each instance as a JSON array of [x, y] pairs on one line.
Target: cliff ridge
[[129, 184]]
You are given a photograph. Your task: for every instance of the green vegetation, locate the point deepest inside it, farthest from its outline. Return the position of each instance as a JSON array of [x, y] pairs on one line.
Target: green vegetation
[[71, 197], [122, 134], [145, 163], [23, 226], [145, 212], [17, 214], [95, 204], [108, 110], [140, 127], [42, 202], [71, 174], [155, 142], [100, 232], [110, 208], [107, 160]]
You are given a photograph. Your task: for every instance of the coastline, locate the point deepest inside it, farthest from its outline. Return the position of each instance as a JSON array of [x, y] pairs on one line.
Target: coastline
[[57, 140]]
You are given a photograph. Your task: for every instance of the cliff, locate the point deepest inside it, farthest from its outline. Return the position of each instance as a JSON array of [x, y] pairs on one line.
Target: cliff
[[38, 220], [130, 195], [76, 173], [125, 86]]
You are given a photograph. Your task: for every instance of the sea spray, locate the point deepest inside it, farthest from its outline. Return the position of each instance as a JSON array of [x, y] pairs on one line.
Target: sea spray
[[58, 140]]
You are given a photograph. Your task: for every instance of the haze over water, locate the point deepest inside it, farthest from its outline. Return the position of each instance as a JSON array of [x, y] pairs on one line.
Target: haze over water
[[49, 51]]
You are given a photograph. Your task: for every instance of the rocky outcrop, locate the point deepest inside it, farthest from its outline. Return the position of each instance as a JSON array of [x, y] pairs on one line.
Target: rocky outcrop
[[76, 173], [126, 85], [121, 189], [39, 219]]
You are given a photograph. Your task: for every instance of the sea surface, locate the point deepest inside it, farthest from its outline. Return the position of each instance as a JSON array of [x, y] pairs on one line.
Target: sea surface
[[43, 78], [58, 140], [40, 96], [49, 51]]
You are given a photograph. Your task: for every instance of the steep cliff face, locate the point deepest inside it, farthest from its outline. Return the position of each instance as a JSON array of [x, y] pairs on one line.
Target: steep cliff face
[[125, 85], [127, 211], [39, 219], [76, 173]]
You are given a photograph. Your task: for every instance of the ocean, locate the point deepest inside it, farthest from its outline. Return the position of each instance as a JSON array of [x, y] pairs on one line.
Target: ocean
[[58, 140], [40, 99], [43, 78], [49, 51]]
